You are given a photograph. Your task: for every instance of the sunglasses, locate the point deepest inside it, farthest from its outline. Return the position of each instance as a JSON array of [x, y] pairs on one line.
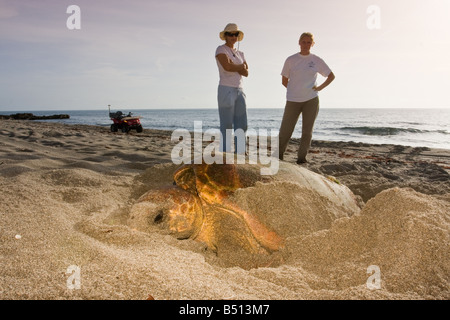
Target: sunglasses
[[232, 34]]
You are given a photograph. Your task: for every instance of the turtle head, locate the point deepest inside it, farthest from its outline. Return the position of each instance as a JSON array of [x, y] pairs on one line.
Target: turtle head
[[171, 208]]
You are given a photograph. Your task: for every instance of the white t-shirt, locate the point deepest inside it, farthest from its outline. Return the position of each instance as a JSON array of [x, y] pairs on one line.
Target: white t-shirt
[[302, 74], [230, 79]]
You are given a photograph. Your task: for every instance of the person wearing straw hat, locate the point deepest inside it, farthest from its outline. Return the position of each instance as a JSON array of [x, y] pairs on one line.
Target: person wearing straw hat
[[231, 98], [299, 76]]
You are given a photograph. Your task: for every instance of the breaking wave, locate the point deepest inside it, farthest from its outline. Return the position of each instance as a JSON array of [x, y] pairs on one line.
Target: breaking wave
[[384, 131]]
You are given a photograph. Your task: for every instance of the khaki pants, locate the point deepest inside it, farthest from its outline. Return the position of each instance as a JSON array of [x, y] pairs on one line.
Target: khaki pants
[[309, 110]]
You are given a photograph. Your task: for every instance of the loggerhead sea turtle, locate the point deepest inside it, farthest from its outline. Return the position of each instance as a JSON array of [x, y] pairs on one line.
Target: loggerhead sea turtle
[[223, 206], [197, 206]]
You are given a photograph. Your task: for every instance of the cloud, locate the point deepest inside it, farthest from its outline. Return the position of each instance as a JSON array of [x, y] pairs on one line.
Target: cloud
[[7, 10]]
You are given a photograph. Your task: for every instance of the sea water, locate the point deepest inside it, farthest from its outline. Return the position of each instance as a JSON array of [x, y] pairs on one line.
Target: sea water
[[408, 127]]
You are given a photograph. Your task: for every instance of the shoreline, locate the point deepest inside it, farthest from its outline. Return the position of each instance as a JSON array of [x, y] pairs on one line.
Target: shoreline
[[68, 190], [332, 125]]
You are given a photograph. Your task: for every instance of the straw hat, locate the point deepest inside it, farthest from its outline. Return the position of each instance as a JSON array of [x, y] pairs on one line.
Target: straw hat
[[232, 27]]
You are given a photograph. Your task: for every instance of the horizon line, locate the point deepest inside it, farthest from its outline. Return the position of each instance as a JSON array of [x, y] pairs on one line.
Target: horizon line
[[203, 108]]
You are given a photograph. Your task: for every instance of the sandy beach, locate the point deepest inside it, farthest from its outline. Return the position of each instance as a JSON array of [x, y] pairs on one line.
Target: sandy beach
[[68, 192]]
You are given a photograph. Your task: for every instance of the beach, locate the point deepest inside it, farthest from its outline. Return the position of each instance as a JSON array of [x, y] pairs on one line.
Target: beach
[[68, 192]]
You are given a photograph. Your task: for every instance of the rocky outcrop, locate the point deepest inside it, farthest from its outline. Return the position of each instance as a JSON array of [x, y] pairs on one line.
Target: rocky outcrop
[[30, 116]]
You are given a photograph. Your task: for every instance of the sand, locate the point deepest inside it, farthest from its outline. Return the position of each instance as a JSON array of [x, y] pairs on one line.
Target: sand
[[67, 193]]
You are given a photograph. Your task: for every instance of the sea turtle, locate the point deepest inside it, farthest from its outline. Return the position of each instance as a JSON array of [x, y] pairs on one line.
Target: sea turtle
[[197, 206], [237, 212]]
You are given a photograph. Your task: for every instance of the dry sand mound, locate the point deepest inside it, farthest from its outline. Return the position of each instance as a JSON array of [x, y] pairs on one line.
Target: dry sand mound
[[403, 232]]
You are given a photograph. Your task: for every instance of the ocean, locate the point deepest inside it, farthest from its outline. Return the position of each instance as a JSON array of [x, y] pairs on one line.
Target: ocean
[[407, 127]]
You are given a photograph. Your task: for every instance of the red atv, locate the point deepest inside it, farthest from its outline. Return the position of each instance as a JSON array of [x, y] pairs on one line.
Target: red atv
[[125, 123]]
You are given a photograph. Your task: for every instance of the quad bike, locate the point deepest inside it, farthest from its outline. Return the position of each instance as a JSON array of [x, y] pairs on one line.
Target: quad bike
[[125, 123]]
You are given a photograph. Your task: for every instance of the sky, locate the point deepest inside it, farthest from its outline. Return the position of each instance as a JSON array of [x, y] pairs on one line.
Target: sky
[[160, 54]]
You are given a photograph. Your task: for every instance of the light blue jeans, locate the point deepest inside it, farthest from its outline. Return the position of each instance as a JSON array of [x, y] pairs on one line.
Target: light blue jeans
[[232, 114]]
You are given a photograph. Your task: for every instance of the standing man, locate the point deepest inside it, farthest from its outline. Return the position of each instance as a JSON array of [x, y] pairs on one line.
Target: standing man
[[299, 76]]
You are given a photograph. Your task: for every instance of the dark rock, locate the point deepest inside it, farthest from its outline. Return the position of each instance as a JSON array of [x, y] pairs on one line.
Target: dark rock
[[30, 116]]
